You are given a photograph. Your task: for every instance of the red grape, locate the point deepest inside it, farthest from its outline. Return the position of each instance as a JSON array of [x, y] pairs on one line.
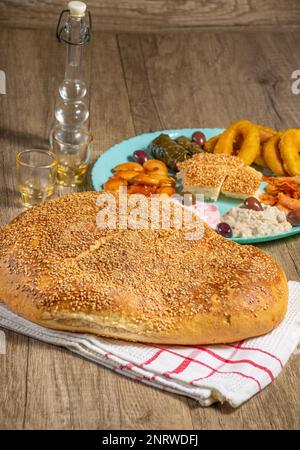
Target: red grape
[[294, 218], [140, 156], [224, 229], [253, 203], [199, 138]]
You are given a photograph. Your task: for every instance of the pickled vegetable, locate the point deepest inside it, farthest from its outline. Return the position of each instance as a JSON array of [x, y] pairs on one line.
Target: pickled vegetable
[[190, 146], [169, 151]]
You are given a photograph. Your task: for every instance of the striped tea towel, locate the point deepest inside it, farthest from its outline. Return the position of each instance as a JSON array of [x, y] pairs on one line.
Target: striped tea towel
[[232, 373]]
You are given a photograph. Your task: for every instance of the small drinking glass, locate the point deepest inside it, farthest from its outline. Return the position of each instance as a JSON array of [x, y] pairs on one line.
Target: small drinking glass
[[72, 150], [36, 172]]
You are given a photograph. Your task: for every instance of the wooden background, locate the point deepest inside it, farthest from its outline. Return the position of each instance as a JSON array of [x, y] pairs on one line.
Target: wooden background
[[156, 15], [138, 83]]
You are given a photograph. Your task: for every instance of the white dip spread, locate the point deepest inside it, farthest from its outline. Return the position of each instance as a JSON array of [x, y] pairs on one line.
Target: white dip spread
[[247, 222]]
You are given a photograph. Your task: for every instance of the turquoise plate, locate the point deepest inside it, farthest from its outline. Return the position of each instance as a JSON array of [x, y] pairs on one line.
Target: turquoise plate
[[123, 151]]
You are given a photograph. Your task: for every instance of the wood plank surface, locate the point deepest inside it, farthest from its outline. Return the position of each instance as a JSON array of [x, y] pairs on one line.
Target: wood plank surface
[[155, 15], [139, 83]]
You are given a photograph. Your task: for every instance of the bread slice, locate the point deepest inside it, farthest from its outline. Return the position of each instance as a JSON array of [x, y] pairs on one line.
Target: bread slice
[[242, 182], [218, 160], [203, 180], [210, 175], [59, 270]]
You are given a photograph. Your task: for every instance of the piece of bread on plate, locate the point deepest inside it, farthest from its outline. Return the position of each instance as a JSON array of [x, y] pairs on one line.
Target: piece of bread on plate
[[203, 180], [60, 270], [216, 160], [210, 175], [242, 182]]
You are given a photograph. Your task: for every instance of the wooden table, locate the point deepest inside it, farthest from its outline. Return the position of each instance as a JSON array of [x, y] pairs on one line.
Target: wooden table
[[140, 83]]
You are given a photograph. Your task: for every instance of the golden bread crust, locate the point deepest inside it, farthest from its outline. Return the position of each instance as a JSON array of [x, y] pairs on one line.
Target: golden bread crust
[[58, 269]]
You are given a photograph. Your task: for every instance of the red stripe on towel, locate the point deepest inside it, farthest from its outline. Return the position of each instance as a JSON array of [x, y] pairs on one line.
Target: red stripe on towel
[[212, 368], [241, 361], [258, 350]]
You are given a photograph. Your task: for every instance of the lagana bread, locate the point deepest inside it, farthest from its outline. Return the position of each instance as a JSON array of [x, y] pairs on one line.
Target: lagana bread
[[59, 270]]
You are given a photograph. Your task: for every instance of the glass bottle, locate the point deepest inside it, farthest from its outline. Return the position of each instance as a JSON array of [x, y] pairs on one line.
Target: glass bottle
[[70, 138]]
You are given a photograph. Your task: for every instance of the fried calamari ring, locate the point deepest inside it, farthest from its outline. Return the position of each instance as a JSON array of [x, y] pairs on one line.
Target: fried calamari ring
[[250, 145], [272, 156], [259, 160], [290, 151], [210, 144], [265, 133]]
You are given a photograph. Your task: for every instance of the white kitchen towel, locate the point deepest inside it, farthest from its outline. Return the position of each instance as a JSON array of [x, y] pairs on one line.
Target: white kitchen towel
[[232, 373]]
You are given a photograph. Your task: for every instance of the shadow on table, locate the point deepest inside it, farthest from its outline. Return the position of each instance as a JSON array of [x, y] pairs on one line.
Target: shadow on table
[[9, 198], [23, 139]]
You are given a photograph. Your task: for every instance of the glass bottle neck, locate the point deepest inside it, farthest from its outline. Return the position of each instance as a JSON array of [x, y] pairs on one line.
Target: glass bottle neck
[[75, 29]]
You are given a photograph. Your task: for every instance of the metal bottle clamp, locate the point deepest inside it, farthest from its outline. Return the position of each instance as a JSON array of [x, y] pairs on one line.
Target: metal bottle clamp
[[59, 30]]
